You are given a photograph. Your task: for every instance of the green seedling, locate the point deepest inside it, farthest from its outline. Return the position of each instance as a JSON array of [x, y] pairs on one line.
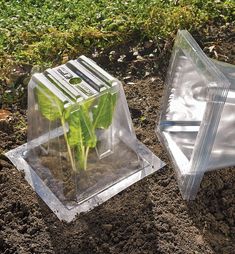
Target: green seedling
[[79, 121]]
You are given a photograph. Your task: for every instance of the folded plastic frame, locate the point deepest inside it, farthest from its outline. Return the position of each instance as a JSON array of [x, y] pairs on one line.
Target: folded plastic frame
[[197, 118]]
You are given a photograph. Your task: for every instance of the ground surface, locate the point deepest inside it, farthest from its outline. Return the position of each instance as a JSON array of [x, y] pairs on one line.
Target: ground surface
[[150, 216]]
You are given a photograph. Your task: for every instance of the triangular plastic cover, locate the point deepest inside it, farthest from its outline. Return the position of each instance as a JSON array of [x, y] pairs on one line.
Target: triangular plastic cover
[[193, 112]]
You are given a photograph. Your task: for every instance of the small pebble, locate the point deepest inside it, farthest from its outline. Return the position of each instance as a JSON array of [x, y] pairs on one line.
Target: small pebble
[[127, 78], [139, 58], [135, 53], [107, 227]]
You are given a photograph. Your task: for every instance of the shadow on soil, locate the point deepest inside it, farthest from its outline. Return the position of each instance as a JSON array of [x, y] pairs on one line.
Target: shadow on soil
[[213, 211]]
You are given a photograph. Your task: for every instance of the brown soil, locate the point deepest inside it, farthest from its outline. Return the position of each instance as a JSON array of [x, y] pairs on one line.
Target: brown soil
[[70, 186], [150, 216]]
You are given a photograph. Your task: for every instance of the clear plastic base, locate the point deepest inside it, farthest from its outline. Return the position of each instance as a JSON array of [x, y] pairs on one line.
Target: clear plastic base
[[68, 211]]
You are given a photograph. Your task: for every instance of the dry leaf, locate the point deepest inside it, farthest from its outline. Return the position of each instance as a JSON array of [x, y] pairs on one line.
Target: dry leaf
[[4, 114]]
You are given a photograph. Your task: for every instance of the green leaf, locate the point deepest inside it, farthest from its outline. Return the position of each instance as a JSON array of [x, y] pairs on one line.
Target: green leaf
[[103, 112], [81, 131], [81, 134], [75, 131], [87, 128], [49, 105]]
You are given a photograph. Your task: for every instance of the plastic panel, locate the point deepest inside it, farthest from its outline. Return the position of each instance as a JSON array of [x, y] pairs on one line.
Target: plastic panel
[[195, 95]]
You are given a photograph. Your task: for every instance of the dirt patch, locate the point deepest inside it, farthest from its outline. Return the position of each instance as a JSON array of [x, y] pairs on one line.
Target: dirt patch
[[150, 216], [70, 186]]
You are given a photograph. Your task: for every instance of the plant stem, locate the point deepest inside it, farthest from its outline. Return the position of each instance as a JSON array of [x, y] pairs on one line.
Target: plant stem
[[67, 144], [86, 157], [83, 156]]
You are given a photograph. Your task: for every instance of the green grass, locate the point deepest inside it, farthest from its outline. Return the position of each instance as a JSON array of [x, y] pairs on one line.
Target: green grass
[[47, 32]]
